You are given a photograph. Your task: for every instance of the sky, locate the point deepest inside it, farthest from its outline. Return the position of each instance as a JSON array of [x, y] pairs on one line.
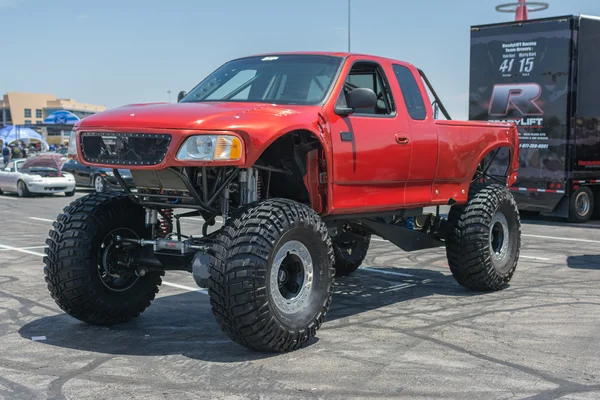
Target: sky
[[117, 52]]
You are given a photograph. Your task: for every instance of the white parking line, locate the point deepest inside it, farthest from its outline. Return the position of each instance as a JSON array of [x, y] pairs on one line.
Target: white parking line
[[522, 256], [562, 238], [41, 219], [26, 251], [386, 272], [21, 250], [24, 248], [188, 288], [535, 258]]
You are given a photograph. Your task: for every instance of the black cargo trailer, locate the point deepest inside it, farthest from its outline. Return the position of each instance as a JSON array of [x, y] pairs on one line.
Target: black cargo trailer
[[544, 75]]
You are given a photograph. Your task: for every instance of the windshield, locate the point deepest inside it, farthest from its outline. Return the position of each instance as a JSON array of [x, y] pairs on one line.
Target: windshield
[[284, 79]]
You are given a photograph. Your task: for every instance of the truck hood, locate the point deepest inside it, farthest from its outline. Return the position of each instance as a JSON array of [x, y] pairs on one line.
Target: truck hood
[[206, 115]]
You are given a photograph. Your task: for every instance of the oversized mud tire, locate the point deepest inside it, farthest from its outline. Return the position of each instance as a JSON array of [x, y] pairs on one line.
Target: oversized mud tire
[[271, 276], [581, 205], [80, 268], [484, 238], [350, 252]]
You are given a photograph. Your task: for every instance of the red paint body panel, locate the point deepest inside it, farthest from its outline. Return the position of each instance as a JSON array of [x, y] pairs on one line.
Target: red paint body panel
[[393, 162]]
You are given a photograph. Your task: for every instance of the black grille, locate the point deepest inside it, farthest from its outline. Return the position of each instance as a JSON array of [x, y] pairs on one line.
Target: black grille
[[124, 148]]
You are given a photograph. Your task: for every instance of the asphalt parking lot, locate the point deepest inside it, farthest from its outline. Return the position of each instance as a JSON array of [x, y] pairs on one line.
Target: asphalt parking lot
[[399, 328]]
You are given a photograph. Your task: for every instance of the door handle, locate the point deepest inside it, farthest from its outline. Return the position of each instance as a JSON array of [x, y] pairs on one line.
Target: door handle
[[401, 139]]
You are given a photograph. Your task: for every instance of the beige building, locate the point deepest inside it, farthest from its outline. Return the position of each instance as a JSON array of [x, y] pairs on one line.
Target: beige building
[[32, 108]]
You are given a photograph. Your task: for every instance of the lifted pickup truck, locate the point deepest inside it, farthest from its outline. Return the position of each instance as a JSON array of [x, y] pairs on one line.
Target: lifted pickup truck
[[303, 156]]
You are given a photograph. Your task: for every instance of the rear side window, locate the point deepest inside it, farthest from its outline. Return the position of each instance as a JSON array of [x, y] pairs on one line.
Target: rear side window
[[410, 92]]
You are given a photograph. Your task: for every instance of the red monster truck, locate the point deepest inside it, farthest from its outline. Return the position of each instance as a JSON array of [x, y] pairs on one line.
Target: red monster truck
[[303, 156]]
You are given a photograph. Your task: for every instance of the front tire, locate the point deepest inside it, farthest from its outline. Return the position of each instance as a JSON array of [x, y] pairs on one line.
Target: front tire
[[271, 276], [81, 269], [22, 190], [581, 205], [484, 239], [70, 194]]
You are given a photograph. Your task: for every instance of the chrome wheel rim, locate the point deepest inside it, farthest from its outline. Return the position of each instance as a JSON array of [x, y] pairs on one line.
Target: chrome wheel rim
[[20, 190], [499, 239], [291, 277], [99, 184], [582, 204]]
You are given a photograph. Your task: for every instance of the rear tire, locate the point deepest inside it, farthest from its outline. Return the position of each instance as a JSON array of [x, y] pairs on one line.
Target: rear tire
[[350, 252], [271, 276], [81, 274], [484, 239], [581, 205]]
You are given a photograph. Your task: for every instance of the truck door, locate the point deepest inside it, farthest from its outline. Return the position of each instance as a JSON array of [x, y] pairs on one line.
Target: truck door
[[423, 135], [372, 147]]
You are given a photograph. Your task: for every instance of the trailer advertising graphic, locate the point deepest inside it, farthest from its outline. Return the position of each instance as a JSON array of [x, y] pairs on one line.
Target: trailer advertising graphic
[[521, 74]]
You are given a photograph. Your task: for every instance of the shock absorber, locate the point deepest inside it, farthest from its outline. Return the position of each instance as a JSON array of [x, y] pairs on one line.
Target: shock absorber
[[166, 221]]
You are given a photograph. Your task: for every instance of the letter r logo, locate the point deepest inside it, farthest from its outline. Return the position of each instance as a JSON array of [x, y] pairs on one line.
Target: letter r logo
[[521, 96]]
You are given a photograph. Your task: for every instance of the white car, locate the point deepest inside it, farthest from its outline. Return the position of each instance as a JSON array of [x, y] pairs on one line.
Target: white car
[[37, 175]]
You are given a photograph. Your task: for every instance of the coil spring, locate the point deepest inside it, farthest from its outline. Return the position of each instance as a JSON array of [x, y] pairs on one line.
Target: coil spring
[[166, 222], [259, 188]]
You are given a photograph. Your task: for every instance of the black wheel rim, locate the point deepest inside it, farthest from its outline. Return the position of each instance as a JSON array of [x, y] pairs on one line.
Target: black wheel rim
[[499, 240], [111, 257], [349, 242], [291, 277], [347, 247]]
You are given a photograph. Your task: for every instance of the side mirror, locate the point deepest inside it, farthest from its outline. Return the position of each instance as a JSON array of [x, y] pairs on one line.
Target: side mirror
[[6, 169], [358, 98], [362, 98], [181, 95]]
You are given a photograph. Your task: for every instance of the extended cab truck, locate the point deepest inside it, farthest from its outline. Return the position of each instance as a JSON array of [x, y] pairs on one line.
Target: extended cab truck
[[304, 156]]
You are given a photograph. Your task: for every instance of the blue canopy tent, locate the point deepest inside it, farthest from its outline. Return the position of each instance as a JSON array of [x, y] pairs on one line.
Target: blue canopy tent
[[11, 134]]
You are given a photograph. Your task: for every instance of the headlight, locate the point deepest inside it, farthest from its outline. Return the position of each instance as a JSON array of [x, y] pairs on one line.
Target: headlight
[[109, 173], [72, 148], [211, 147]]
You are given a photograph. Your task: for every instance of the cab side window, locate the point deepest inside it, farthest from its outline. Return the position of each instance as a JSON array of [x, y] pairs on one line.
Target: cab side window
[[369, 75], [411, 93]]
